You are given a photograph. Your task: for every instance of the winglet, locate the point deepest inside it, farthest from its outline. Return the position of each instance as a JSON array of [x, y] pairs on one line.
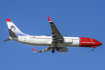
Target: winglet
[[49, 19], [8, 20], [33, 49]]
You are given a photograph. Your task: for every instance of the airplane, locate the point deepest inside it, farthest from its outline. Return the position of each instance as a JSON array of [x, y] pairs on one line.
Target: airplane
[[54, 42]]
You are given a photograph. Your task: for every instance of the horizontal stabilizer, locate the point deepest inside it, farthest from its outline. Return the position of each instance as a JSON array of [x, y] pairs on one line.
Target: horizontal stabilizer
[[7, 40]]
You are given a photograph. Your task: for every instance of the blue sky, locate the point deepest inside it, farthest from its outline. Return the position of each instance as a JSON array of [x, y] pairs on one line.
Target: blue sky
[[78, 18]]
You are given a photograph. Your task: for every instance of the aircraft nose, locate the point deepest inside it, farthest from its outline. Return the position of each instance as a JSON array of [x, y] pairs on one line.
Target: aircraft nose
[[99, 43]]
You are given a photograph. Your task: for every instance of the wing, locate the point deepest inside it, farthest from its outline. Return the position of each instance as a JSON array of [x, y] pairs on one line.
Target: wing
[[56, 35], [44, 50]]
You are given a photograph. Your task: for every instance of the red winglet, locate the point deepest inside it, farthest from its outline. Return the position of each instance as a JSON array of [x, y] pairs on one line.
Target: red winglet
[[33, 49], [49, 19], [8, 20]]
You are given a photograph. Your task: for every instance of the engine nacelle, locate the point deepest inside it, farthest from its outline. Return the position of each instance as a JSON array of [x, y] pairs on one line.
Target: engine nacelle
[[62, 49], [68, 41]]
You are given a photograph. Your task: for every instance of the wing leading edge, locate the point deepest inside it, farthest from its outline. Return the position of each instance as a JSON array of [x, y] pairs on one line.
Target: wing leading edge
[[56, 35]]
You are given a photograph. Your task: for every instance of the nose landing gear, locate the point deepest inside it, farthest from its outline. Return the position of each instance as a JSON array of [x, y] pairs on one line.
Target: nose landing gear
[[94, 47]]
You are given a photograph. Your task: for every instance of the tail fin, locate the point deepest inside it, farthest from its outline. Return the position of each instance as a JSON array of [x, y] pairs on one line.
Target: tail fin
[[13, 30]]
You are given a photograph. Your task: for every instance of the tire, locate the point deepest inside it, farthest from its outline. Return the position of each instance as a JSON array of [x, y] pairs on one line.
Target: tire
[[53, 51]]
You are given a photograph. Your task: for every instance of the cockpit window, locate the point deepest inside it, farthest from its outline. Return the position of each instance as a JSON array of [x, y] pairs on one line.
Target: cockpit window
[[96, 40]]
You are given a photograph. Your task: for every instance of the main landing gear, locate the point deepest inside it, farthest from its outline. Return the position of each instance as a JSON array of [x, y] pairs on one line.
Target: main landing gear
[[53, 50], [55, 47]]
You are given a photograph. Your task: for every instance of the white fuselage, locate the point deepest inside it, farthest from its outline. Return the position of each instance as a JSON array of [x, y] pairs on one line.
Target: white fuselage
[[47, 41], [54, 42]]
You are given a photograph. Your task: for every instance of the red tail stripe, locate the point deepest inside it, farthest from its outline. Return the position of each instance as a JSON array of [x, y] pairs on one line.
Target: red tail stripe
[[8, 20]]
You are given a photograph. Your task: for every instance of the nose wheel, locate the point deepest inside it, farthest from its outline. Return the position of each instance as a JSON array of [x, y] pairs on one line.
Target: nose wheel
[[92, 49]]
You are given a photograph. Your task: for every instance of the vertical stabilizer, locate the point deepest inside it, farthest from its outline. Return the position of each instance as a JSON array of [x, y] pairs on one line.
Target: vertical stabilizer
[[13, 29]]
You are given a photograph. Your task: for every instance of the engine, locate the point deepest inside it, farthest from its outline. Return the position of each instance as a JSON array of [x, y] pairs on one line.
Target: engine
[[62, 49], [68, 41]]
